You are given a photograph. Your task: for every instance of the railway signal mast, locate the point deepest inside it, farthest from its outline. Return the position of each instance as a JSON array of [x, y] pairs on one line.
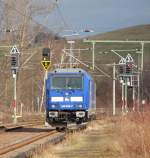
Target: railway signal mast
[[46, 63], [14, 55], [126, 74]]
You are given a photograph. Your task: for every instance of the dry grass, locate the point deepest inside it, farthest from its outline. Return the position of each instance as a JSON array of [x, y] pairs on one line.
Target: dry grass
[[44, 153], [135, 135], [49, 151], [132, 138], [73, 140], [78, 140]]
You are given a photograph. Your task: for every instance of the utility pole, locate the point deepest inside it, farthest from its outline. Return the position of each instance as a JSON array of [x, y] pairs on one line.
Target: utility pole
[[43, 90], [46, 63], [71, 60], [141, 76], [142, 56], [14, 68], [123, 99], [133, 98], [138, 97], [93, 55], [126, 96], [114, 89], [15, 98]]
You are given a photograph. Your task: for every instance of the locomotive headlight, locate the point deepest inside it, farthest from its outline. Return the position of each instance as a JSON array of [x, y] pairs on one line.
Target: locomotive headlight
[[80, 114], [53, 114]]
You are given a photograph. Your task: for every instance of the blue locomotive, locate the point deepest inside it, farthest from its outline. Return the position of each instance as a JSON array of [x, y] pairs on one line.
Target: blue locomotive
[[70, 97]]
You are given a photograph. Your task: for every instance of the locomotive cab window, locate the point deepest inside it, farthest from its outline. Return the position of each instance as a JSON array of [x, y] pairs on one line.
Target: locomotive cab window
[[71, 82]]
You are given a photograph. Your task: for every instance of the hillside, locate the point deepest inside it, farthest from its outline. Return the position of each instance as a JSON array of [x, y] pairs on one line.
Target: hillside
[[140, 32]]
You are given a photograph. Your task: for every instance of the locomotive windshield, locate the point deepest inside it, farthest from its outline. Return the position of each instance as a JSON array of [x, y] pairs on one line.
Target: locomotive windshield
[[63, 82]]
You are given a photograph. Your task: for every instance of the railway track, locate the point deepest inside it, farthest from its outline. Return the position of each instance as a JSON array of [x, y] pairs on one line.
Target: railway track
[[18, 137], [11, 127], [26, 144], [15, 146]]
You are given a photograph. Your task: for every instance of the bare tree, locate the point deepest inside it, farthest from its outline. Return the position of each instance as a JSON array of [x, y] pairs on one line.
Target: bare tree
[[19, 17], [18, 23]]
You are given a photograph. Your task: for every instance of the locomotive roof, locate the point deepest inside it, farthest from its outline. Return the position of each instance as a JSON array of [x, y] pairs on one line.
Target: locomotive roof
[[69, 70]]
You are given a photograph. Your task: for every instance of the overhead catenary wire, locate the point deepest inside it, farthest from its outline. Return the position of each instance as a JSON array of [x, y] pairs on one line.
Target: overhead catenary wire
[[106, 74], [62, 17], [65, 22]]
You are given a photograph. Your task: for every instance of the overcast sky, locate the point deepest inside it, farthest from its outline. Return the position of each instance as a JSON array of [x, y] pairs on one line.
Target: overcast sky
[[105, 15]]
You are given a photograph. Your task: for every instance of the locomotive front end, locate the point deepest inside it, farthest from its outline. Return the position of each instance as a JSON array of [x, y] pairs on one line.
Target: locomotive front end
[[65, 98]]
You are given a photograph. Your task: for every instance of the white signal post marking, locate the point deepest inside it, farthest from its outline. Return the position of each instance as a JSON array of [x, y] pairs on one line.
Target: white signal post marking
[[14, 50]]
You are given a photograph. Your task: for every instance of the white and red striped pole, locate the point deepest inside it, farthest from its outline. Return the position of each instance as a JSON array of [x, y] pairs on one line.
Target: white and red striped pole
[[15, 99]]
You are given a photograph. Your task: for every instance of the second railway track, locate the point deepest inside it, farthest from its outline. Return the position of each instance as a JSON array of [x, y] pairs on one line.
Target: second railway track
[[28, 138], [28, 142], [12, 127], [23, 143]]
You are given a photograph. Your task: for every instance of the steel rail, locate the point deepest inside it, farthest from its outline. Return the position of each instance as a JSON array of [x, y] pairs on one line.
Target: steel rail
[[24, 143], [11, 127]]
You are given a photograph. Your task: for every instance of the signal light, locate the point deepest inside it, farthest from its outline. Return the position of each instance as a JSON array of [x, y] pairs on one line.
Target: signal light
[[46, 54], [129, 68], [8, 30], [121, 69], [14, 61]]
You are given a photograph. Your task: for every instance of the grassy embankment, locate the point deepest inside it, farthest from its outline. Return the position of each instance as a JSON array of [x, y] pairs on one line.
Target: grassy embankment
[[98, 140], [127, 136]]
